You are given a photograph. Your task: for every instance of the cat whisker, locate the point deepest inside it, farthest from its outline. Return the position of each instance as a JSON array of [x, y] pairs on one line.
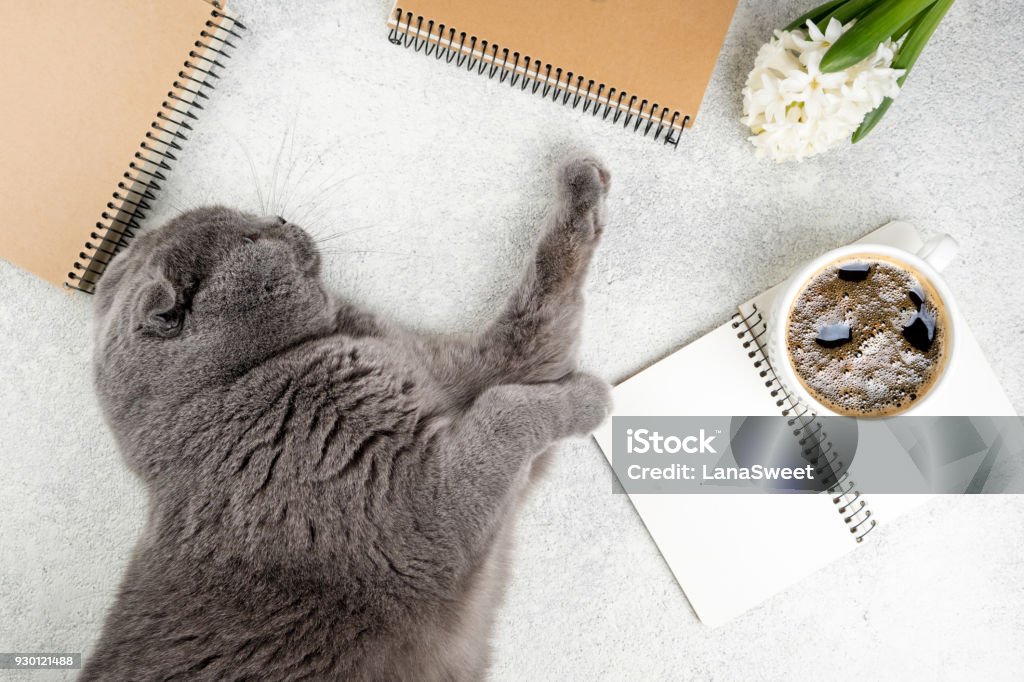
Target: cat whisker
[[345, 233], [253, 175], [322, 190], [339, 252], [285, 191], [276, 167], [309, 210], [299, 181]]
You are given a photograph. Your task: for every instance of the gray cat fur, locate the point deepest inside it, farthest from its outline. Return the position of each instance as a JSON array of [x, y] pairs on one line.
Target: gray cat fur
[[331, 497]]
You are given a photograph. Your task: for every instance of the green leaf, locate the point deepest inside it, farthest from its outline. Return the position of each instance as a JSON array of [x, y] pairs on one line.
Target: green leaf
[[863, 39], [814, 15], [871, 120], [850, 11], [918, 34], [905, 28]]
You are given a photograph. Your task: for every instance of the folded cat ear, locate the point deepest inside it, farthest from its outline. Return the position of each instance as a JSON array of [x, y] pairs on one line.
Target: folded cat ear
[[160, 311]]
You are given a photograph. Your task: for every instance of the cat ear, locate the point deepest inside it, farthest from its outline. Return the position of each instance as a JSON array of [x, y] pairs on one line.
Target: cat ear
[[159, 310]]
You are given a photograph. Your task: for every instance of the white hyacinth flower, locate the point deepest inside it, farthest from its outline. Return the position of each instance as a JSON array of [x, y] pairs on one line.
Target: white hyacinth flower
[[794, 110]]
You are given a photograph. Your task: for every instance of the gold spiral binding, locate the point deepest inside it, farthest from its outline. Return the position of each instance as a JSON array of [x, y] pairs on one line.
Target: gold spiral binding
[[140, 183], [811, 436]]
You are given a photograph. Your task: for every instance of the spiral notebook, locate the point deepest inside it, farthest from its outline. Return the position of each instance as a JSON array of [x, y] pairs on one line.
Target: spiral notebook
[[643, 64], [732, 552], [99, 98]]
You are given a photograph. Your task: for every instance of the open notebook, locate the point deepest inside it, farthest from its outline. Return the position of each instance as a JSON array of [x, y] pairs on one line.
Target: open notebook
[[642, 63], [99, 97], [712, 542]]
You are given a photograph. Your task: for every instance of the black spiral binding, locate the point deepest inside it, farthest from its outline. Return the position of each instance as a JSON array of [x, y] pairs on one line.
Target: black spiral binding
[[140, 183], [813, 440], [569, 89]]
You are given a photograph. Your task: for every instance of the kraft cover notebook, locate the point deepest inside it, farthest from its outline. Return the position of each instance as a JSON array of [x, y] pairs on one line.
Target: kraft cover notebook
[[731, 552], [99, 96], [641, 63]]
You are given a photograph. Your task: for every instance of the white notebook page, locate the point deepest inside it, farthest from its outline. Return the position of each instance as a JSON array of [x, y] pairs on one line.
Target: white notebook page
[[728, 552]]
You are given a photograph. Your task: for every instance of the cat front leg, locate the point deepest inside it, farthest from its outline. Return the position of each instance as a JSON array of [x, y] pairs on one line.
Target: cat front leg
[[537, 334], [485, 459]]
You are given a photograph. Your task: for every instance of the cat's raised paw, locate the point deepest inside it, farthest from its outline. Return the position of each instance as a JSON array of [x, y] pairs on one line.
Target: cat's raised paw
[[584, 181]]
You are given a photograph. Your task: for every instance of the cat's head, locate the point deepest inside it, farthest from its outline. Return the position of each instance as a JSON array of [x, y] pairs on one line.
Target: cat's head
[[205, 297]]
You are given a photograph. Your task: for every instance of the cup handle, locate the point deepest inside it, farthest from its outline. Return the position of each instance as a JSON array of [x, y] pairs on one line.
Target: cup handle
[[939, 251]]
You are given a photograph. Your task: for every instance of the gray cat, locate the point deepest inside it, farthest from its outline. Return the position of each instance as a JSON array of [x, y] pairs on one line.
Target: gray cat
[[331, 497]]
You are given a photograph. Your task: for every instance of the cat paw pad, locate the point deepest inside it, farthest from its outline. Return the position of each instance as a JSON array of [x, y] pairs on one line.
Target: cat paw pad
[[584, 181]]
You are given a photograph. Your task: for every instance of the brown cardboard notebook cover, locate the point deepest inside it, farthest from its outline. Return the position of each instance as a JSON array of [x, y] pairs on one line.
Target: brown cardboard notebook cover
[[84, 81], [660, 53]]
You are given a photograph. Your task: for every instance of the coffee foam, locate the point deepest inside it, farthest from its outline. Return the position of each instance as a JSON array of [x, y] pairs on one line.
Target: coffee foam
[[878, 372]]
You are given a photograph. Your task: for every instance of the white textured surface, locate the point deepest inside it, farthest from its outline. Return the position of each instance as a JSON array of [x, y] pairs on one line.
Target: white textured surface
[[445, 175]]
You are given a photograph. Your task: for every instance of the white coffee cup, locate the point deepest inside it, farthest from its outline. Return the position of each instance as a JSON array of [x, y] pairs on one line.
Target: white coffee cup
[[933, 256]]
